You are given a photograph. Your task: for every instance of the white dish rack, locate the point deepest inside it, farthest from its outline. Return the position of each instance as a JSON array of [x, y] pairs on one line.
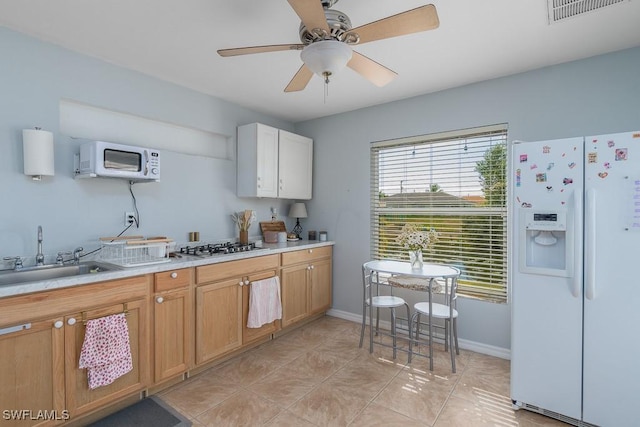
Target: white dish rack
[[134, 251]]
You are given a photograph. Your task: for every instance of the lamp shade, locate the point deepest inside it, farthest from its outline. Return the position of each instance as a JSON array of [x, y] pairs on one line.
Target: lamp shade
[[298, 210], [37, 148], [326, 57]]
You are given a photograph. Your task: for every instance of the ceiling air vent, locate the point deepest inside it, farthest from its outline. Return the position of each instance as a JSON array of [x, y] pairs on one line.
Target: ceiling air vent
[[560, 10]]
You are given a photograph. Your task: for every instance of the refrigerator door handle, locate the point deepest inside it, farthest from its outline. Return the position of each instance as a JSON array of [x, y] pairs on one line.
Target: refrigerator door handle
[[577, 260], [590, 245]]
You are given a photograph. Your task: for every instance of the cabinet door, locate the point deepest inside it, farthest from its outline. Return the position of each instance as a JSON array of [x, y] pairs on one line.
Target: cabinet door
[[295, 294], [252, 334], [295, 163], [218, 319], [257, 161], [320, 278], [32, 371], [80, 398], [172, 340]]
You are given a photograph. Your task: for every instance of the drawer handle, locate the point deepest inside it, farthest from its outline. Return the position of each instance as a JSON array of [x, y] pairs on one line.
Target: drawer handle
[[159, 300], [174, 275], [18, 328], [58, 324], [71, 321]]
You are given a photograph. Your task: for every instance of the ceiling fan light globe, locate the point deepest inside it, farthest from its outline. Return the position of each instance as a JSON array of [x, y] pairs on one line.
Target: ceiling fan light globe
[[326, 57]]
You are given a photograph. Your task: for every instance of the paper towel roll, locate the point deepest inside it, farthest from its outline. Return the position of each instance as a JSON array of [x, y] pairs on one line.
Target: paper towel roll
[[38, 152]]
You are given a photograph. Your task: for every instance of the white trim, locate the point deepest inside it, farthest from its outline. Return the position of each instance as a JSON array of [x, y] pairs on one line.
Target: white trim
[[489, 350]]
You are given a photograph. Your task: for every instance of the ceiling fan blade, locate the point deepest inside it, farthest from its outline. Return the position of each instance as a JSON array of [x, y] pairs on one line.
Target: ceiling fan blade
[[376, 73], [300, 80], [258, 49], [412, 21], [311, 13]]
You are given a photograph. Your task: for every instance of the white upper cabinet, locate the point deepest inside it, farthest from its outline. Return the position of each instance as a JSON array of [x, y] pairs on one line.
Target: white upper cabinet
[[273, 163]]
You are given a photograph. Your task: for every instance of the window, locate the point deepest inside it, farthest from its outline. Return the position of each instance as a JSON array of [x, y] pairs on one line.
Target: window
[[455, 183]]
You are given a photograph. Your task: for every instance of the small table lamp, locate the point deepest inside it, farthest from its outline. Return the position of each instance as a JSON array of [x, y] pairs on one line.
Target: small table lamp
[[298, 210]]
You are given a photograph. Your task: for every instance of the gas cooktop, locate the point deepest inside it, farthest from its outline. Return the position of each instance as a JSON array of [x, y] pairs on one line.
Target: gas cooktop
[[213, 249]]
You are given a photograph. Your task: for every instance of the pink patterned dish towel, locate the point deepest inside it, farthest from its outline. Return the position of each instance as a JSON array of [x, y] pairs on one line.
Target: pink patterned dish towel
[[106, 352], [264, 302]]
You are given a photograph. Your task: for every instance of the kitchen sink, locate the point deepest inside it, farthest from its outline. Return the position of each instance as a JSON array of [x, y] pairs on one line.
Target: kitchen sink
[[49, 272]]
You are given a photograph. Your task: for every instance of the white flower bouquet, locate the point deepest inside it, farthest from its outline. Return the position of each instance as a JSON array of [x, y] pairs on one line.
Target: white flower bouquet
[[413, 239]]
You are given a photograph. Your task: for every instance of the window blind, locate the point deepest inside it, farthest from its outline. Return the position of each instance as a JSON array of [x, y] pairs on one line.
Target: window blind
[[454, 183]]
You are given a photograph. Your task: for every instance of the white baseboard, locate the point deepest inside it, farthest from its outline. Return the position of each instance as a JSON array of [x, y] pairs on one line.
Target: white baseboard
[[490, 350]]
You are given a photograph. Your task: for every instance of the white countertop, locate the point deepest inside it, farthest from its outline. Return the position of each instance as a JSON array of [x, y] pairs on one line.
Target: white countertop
[[184, 262]]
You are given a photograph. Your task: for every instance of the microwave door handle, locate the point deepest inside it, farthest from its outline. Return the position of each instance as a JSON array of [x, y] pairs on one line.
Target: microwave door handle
[[146, 162]]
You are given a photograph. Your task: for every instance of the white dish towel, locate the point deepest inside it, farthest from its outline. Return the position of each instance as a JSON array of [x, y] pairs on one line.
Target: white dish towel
[[106, 352], [264, 302]]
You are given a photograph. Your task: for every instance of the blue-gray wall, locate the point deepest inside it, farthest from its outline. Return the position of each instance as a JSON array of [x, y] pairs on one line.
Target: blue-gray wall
[[196, 193], [592, 96]]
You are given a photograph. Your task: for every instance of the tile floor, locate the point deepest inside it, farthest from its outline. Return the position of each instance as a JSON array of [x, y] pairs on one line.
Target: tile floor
[[317, 376]]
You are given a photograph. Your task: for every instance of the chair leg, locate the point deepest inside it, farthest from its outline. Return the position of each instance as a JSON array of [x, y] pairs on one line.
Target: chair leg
[[455, 334], [377, 320], [393, 332], [412, 320], [453, 356], [364, 319], [446, 335]]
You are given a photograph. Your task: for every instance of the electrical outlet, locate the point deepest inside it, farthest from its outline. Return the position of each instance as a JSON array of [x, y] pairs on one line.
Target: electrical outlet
[[129, 218]]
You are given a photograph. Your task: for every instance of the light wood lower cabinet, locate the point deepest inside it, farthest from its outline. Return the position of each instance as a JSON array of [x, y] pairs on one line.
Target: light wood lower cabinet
[[306, 283], [32, 371], [172, 318], [222, 305], [41, 337]]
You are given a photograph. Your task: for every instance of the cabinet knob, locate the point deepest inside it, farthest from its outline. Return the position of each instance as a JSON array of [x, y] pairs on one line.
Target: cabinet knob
[[174, 275], [71, 321], [58, 324], [308, 267], [246, 282], [313, 266], [310, 251], [159, 300]]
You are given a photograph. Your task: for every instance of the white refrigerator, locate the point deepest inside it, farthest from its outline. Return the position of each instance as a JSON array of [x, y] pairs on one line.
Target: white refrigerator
[[575, 282]]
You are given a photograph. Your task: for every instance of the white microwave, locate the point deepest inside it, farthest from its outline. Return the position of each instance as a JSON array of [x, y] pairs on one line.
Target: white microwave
[[107, 159]]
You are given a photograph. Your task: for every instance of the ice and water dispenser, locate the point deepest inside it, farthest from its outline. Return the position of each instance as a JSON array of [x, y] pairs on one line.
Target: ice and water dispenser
[[546, 242]]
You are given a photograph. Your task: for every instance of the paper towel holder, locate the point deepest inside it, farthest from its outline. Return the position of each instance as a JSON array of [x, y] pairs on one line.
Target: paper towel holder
[[37, 147]]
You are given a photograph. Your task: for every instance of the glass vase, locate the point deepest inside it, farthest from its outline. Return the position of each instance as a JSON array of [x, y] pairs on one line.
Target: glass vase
[[415, 258]]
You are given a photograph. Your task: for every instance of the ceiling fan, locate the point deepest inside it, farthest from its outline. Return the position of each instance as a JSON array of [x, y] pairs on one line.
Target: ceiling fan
[[326, 38]]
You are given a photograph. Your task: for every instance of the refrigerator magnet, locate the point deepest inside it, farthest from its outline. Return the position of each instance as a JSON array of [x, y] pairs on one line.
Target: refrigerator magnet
[[546, 149], [567, 181], [592, 157], [533, 166], [607, 165], [550, 166], [611, 144], [603, 175], [621, 154], [541, 177], [572, 165], [523, 158]]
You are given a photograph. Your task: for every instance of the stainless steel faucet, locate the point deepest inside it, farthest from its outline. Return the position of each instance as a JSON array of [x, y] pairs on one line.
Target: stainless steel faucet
[[76, 255], [39, 255]]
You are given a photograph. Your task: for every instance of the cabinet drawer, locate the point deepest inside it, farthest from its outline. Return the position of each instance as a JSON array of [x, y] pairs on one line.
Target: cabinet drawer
[[305, 255], [239, 268], [172, 279]]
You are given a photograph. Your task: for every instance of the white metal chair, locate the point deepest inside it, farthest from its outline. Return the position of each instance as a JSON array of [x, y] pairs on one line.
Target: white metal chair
[[447, 312], [372, 299]]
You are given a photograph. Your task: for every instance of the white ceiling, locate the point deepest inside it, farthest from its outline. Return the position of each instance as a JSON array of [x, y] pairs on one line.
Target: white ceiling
[[177, 41]]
